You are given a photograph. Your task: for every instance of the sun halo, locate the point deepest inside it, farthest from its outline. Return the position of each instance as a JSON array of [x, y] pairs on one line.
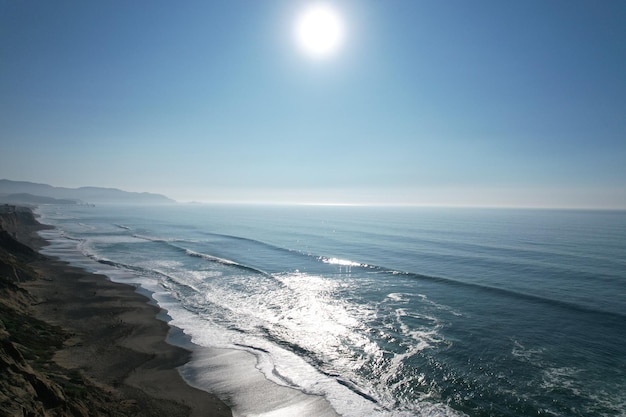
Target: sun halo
[[319, 30]]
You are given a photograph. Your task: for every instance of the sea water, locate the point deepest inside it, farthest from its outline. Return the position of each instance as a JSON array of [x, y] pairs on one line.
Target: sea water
[[372, 311]]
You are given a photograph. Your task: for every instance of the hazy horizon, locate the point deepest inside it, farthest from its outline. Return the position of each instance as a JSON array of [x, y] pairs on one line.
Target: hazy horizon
[[485, 104]]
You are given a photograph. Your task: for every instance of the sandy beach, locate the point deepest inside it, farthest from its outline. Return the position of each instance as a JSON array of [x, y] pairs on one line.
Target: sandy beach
[[99, 348]]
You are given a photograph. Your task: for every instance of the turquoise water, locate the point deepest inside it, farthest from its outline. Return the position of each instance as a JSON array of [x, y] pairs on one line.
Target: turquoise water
[[383, 311]]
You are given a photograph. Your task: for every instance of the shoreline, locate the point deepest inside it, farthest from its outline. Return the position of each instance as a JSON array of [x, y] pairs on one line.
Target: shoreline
[[238, 375], [111, 346]]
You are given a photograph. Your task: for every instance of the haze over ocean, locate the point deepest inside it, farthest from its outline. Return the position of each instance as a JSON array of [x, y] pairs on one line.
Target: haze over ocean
[[380, 311], [464, 104]]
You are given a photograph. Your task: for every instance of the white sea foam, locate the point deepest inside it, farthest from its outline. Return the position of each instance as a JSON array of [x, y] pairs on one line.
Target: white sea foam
[[530, 355], [397, 296], [247, 377], [285, 381], [249, 369], [210, 257], [260, 377], [340, 262]]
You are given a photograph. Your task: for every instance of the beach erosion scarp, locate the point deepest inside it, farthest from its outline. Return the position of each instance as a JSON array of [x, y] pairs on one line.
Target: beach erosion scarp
[[73, 343]]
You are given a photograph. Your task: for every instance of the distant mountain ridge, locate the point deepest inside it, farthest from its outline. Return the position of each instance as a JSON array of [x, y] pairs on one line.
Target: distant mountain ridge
[[39, 193], [27, 199]]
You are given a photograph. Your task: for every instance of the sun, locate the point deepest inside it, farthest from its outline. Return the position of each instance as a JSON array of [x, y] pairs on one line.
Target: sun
[[319, 30]]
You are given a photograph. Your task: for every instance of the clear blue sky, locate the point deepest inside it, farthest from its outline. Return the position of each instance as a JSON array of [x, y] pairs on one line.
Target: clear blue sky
[[428, 102]]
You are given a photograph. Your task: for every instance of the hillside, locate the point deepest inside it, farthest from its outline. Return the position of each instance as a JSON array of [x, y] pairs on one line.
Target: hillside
[[16, 192]]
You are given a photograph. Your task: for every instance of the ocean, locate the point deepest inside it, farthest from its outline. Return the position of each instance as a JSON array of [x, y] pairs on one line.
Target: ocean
[[376, 311]]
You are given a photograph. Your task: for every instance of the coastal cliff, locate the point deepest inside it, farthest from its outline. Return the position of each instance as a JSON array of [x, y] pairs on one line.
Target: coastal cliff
[[70, 339], [32, 383]]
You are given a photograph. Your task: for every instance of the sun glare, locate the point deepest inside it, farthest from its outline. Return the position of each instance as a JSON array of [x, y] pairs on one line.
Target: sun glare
[[319, 30]]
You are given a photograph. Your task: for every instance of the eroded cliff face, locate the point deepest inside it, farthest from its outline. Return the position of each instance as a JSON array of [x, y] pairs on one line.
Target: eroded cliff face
[[31, 383], [18, 222]]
